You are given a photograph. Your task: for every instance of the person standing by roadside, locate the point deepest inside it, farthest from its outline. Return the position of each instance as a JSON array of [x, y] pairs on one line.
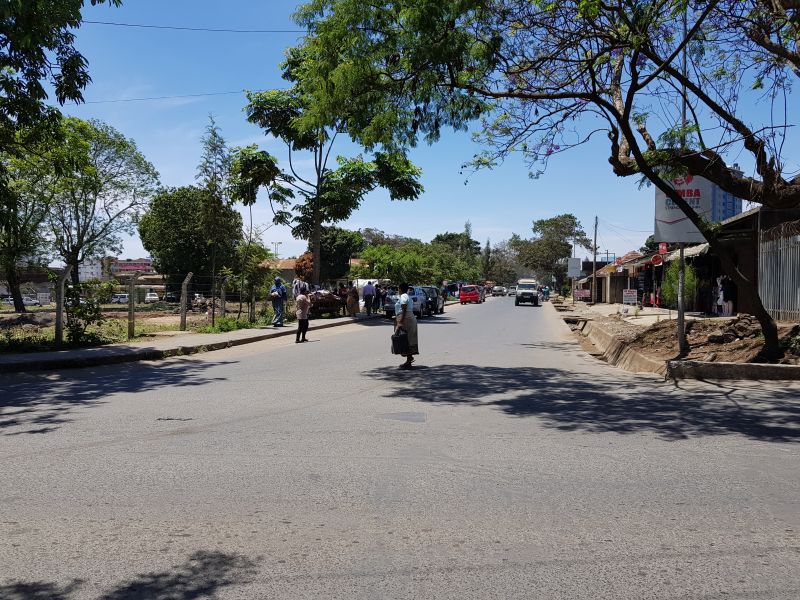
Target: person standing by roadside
[[278, 295], [352, 301], [303, 304], [405, 319], [342, 293], [378, 305], [369, 297]]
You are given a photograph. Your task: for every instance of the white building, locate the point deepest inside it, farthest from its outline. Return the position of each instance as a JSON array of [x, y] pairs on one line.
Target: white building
[[91, 268]]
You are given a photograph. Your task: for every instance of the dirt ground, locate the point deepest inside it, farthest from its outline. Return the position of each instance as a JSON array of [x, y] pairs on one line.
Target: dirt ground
[[713, 340]]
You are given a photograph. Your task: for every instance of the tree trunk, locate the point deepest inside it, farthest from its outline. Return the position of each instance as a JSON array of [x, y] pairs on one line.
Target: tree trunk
[[316, 247], [74, 275], [12, 276], [772, 348]]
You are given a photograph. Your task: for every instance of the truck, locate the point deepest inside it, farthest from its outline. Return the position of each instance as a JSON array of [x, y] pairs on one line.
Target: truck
[[527, 291]]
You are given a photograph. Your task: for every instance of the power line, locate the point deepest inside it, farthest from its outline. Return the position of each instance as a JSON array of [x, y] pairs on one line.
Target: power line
[[143, 99], [626, 229], [203, 29]]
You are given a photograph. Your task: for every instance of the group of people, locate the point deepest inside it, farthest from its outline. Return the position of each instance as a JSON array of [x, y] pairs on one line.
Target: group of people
[[374, 297]]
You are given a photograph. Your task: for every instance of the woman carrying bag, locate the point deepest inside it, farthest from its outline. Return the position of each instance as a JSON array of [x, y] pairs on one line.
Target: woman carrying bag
[[405, 321]]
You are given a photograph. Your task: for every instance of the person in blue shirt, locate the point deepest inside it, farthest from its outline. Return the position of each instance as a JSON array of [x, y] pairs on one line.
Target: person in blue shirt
[[278, 295]]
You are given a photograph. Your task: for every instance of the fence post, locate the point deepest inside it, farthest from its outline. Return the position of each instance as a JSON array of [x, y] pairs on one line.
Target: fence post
[[184, 300], [132, 305], [59, 335], [252, 315], [222, 296]]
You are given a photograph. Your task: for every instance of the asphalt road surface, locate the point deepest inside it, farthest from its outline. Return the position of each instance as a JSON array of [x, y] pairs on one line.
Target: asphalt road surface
[[509, 464]]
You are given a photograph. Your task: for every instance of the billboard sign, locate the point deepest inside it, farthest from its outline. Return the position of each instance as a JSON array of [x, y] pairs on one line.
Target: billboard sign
[[573, 267], [671, 224]]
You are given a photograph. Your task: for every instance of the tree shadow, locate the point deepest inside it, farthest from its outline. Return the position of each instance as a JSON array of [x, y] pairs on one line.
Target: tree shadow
[[39, 404], [201, 576], [568, 401]]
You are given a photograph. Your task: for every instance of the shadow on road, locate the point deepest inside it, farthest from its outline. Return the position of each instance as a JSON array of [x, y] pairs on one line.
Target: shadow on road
[[201, 576], [39, 404], [569, 402]]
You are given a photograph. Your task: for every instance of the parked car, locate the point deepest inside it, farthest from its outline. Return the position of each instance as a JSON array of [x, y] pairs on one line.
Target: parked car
[[512, 290], [499, 290], [151, 298], [527, 291], [418, 297], [119, 299], [8, 300], [435, 304], [470, 293], [172, 297], [30, 301]]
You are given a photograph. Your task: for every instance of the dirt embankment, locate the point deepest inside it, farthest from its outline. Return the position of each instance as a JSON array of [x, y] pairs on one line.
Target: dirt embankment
[[731, 340]]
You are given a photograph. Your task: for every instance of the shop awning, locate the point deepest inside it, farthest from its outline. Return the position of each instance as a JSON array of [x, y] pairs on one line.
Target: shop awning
[[687, 252]]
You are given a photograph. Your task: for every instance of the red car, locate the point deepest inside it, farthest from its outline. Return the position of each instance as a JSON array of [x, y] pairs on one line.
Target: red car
[[469, 293]]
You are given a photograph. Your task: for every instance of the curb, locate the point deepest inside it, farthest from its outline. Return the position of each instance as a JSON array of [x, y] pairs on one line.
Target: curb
[[697, 369], [616, 352], [116, 355]]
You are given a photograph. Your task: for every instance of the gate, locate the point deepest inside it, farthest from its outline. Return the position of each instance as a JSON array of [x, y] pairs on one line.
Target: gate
[[779, 271]]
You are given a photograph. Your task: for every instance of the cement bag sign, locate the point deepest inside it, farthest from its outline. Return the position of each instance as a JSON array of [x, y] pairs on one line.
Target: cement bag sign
[[671, 224], [630, 297], [573, 267]]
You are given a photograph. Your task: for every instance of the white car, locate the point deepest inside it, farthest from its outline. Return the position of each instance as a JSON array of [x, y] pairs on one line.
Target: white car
[[151, 298], [29, 301]]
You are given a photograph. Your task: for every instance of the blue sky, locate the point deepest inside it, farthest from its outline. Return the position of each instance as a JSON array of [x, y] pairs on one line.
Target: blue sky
[[129, 62]]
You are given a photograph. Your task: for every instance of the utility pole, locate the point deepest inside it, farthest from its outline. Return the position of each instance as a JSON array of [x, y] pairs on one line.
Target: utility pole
[[683, 343], [594, 263], [275, 245]]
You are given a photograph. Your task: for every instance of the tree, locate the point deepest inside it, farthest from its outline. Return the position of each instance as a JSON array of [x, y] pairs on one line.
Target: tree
[[327, 195], [337, 247], [173, 231], [669, 287], [505, 265], [486, 260], [106, 187], [547, 76], [212, 173], [24, 205], [38, 52], [650, 245], [376, 237], [552, 244]]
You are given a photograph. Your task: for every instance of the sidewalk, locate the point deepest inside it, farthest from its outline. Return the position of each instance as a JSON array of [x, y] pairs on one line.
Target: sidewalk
[[645, 316], [174, 345]]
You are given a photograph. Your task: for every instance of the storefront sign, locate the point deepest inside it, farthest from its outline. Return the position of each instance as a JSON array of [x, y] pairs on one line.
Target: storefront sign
[[583, 293], [630, 297], [663, 248], [657, 260], [671, 224]]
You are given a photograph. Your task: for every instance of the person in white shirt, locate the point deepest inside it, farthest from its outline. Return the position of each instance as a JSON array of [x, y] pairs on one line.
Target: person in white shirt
[[369, 296], [405, 319]]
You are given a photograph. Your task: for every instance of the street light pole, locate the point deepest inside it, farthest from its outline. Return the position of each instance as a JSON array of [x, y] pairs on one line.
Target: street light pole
[[275, 245]]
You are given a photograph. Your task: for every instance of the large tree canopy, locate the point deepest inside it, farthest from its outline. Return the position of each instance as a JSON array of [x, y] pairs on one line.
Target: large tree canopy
[[547, 76], [174, 232], [37, 50], [328, 194]]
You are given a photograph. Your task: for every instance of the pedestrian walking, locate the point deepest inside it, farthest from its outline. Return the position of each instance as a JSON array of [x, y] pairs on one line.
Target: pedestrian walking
[[303, 304], [369, 297], [296, 284], [278, 295], [405, 320], [352, 301]]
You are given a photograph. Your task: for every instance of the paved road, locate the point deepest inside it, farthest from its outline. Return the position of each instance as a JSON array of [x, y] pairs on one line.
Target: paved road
[[510, 465]]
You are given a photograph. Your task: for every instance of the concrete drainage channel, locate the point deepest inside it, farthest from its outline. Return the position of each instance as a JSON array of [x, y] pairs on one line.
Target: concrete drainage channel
[[617, 352]]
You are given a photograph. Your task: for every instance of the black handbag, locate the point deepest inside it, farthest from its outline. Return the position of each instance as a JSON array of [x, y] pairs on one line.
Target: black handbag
[[400, 342]]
